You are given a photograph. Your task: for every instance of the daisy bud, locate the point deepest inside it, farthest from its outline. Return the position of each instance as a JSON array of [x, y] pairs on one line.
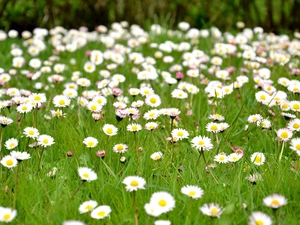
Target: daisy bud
[[123, 159], [88, 53], [117, 92], [69, 153], [19, 118], [96, 116], [140, 149], [271, 113], [179, 76], [101, 153]]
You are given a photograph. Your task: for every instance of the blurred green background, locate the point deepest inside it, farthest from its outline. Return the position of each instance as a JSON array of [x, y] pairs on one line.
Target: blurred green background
[[272, 15]]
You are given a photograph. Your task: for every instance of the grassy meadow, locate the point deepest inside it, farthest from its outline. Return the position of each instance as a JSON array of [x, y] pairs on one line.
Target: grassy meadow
[[225, 108]]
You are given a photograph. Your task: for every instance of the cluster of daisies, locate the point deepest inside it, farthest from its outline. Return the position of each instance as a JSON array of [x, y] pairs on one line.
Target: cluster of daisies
[[181, 70]]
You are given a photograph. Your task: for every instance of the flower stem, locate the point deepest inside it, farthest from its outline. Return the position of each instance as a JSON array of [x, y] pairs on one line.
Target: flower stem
[[1, 137], [41, 156], [136, 218], [16, 186], [74, 193], [281, 152]]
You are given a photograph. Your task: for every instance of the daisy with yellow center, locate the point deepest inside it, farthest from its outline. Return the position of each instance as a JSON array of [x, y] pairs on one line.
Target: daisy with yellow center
[[259, 218], [212, 210], [156, 156], [120, 148], [11, 143], [9, 161], [101, 212], [134, 127], [213, 127], [133, 183], [194, 192], [163, 201], [180, 133], [7, 214], [202, 143], [295, 145], [221, 158], [284, 134], [258, 158], [153, 100], [31, 132], [87, 206], [275, 201], [45, 140], [87, 174], [90, 142], [110, 130]]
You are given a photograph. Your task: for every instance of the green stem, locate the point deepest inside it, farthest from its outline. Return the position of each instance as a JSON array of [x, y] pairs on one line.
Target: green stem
[[74, 193], [136, 218], [16, 186], [281, 152], [41, 156]]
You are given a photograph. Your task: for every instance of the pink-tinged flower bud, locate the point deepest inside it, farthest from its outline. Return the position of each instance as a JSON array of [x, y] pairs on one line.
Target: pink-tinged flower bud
[[117, 92], [101, 153], [88, 53], [19, 118], [96, 116], [238, 150], [271, 113], [177, 118], [69, 153], [29, 75], [140, 149], [230, 69], [123, 159], [179, 76]]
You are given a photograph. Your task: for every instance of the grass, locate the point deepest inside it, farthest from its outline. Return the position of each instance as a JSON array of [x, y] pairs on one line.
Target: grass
[[47, 200]]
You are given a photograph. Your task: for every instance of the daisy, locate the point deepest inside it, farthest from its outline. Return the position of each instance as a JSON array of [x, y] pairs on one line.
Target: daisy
[[38, 98], [173, 112], [146, 91], [7, 214], [211, 209], [134, 91], [45, 140], [9, 161], [89, 67], [295, 106], [179, 94], [216, 117], [264, 123], [120, 148], [213, 127], [294, 125], [61, 101], [133, 183], [25, 108], [101, 212], [137, 104], [258, 158], [284, 134], [295, 145], [153, 210], [87, 206], [254, 178], [223, 126], [275, 201], [259, 218], [101, 100], [151, 125], [194, 192], [94, 107], [4, 121], [221, 158], [134, 127], [83, 82], [156, 155], [152, 114], [11, 143], [20, 156], [254, 118], [202, 143], [180, 134], [110, 129], [70, 92], [57, 113], [153, 100], [162, 201], [234, 157], [31, 132], [87, 174], [90, 142]]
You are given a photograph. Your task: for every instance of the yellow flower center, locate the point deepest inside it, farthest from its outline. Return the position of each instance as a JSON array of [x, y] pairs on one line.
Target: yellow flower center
[[134, 183], [285, 106], [259, 222], [31, 132], [151, 115], [45, 141], [120, 148], [24, 107], [180, 133], [6, 217], [275, 202], [192, 193], [158, 157], [162, 202], [101, 213], [86, 175], [263, 97], [296, 125], [11, 145], [90, 144], [89, 207], [298, 147], [153, 100], [134, 127], [99, 101], [284, 134], [201, 142], [93, 107], [222, 158], [214, 127], [61, 102], [257, 159], [9, 162], [296, 106], [109, 131], [37, 98], [214, 211]]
